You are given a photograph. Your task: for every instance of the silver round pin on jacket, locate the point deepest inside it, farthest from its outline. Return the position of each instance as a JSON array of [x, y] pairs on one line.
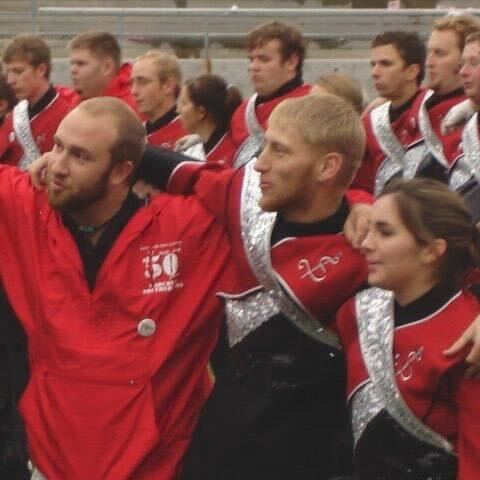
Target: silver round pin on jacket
[[146, 327]]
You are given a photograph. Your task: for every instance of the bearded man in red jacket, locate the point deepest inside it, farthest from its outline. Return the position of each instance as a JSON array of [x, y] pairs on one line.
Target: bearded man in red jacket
[[116, 298]]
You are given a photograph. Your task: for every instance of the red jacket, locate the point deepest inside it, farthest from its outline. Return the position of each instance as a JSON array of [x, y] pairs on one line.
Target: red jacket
[[103, 401], [43, 126], [119, 87]]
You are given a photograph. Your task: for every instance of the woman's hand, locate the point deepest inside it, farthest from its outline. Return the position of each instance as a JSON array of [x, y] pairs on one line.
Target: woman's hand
[[471, 337]]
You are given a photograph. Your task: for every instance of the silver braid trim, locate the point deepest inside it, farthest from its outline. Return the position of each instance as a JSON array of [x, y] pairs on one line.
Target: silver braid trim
[[23, 133], [375, 320], [255, 137], [469, 163], [256, 229]]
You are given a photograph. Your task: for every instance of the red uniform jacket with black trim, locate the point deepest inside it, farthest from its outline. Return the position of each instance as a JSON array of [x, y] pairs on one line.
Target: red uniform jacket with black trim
[[451, 140], [406, 130], [223, 152], [295, 261], [43, 126], [426, 378], [239, 129], [167, 135]]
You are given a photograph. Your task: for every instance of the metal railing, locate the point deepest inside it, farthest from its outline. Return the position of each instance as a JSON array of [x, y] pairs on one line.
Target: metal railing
[[229, 24]]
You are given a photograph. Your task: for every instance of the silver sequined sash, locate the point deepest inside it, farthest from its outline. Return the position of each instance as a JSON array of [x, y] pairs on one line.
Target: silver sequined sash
[[23, 133], [256, 133], [398, 160], [469, 163], [256, 228], [374, 312], [433, 144]]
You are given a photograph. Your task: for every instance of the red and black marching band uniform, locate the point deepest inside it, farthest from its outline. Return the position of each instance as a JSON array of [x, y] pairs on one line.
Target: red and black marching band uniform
[[218, 149], [441, 148], [464, 172], [44, 118], [166, 130], [276, 409], [394, 145], [414, 414], [249, 121]]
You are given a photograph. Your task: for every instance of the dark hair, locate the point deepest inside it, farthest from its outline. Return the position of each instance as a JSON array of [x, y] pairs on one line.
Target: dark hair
[[290, 38], [100, 44], [31, 49], [409, 46], [214, 94], [430, 210]]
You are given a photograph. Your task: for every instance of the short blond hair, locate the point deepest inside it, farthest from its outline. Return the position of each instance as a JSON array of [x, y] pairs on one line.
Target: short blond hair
[[461, 25], [327, 123], [345, 87], [166, 65]]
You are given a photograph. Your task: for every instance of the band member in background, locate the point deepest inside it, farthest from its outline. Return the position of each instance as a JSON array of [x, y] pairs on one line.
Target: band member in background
[[276, 52], [394, 146], [443, 64], [156, 80], [28, 130], [96, 68], [206, 105]]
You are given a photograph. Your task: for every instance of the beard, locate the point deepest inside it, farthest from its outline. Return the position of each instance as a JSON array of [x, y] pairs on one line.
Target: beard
[[68, 202]]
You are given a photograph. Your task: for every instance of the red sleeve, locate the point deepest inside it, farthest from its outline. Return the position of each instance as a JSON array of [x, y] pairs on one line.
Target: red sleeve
[[468, 417], [210, 183], [365, 177], [358, 196]]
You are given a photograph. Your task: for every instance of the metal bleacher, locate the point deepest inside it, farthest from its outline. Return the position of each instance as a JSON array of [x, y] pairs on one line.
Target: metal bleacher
[[192, 30], [339, 37]]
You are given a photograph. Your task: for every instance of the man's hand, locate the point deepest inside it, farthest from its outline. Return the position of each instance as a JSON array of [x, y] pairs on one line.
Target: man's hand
[[38, 171], [471, 337], [356, 226], [457, 115]]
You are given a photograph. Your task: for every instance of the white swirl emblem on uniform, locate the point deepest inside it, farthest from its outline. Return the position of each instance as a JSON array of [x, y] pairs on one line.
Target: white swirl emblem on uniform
[[321, 267], [405, 371]]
